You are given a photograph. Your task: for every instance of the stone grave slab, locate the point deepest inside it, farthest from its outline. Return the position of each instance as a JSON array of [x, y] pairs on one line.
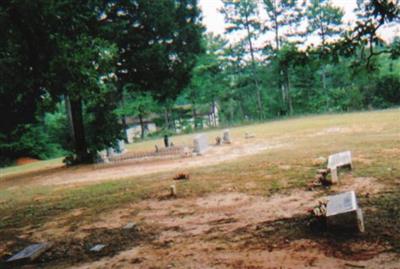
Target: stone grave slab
[[339, 160], [30, 252], [200, 143], [343, 211], [226, 137], [97, 248], [130, 225]]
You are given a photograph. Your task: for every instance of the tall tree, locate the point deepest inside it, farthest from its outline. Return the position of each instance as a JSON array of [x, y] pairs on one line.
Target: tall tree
[[283, 15], [66, 48], [242, 16], [325, 20]]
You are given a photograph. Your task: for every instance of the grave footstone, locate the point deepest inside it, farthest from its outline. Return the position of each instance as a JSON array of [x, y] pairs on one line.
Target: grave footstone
[[338, 160], [342, 211], [172, 189], [30, 252], [130, 225], [97, 248], [200, 143], [227, 137]]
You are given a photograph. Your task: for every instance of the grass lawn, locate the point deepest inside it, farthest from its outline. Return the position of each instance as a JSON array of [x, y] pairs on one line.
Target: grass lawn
[[373, 137]]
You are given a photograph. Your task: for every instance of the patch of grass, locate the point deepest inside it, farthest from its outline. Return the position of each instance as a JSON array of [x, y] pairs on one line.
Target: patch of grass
[[370, 135]]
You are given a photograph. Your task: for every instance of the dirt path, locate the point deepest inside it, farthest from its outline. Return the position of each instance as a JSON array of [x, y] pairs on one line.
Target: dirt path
[[95, 173]]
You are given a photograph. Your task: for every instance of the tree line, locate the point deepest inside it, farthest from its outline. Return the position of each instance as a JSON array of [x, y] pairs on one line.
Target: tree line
[[71, 72]]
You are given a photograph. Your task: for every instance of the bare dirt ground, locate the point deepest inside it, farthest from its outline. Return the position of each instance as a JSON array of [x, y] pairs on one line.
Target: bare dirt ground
[[96, 173], [245, 206], [223, 230]]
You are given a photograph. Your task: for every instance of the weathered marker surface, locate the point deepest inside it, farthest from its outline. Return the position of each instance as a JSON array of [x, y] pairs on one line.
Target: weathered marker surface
[[343, 211], [340, 159], [30, 252], [200, 143]]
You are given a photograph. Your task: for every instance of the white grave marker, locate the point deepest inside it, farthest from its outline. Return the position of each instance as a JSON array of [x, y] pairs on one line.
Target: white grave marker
[[227, 137], [338, 160], [342, 210], [31, 252], [200, 143]]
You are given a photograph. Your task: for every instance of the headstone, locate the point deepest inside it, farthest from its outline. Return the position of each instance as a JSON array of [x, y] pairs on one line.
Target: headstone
[[110, 152], [172, 189], [130, 225], [342, 211], [200, 143], [227, 137], [31, 252], [97, 247], [121, 146], [338, 160]]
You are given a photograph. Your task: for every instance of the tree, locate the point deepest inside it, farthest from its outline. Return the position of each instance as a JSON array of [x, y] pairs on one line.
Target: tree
[[243, 16], [283, 15], [325, 20], [139, 105], [73, 52], [158, 43], [371, 16]]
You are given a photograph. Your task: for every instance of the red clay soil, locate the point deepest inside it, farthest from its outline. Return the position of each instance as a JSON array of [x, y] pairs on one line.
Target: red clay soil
[[25, 160]]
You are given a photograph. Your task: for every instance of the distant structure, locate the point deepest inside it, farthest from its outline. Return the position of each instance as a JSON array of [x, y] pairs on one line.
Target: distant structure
[[134, 129], [204, 116]]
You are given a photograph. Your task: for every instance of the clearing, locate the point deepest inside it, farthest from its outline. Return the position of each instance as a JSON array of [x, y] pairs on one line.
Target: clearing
[[245, 205]]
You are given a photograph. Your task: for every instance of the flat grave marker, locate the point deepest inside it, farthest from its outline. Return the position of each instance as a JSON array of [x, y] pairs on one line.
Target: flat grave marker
[[343, 211], [97, 248], [338, 160], [30, 252]]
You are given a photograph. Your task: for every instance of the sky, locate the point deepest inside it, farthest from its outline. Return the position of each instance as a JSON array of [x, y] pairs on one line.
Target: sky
[[214, 21]]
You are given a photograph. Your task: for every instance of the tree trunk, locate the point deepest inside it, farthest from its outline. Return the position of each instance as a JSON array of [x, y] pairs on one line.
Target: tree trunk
[[141, 126], [78, 131], [194, 114], [253, 63], [166, 118]]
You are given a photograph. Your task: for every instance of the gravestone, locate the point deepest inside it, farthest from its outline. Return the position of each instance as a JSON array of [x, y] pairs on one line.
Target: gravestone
[[227, 137], [97, 248], [172, 190], [121, 146], [338, 160], [130, 225], [30, 252], [200, 143], [343, 211]]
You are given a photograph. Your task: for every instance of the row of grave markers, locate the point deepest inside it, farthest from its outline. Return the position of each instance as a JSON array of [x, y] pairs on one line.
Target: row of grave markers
[[342, 210]]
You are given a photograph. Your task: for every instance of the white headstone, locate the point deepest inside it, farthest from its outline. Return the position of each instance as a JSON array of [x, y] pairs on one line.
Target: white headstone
[[227, 137], [97, 247], [340, 159], [31, 252], [200, 143], [121, 146], [342, 211]]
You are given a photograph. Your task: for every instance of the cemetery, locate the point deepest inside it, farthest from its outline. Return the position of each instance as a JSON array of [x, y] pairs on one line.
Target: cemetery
[[309, 198]]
